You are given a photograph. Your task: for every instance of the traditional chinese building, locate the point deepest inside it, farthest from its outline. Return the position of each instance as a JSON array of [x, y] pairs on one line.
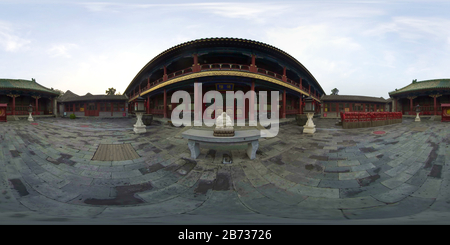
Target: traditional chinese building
[[19, 94], [92, 105], [333, 105], [224, 64], [428, 94]]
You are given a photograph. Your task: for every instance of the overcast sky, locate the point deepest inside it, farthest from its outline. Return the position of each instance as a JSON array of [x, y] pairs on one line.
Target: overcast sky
[[360, 47]]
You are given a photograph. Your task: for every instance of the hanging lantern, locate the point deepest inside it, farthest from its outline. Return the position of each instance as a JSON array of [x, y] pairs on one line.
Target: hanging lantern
[[309, 105], [417, 108], [139, 105]]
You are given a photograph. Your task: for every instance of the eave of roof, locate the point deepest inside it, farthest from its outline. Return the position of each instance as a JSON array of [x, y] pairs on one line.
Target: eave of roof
[[22, 84], [358, 98], [423, 85], [94, 98], [218, 39]]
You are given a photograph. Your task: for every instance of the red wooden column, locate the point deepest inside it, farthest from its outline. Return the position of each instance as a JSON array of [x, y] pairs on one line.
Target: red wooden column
[[411, 102], [13, 109], [37, 104], [300, 84], [253, 65], [309, 90], [284, 78], [51, 107], [435, 96], [300, 105], [252, 102], [14, 104], [165, 74], [196, 65], [196, 102], [283, 115], [148, 104], [165, 104], [337, 109]]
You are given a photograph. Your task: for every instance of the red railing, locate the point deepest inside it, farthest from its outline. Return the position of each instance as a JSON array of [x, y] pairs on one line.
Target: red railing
[[222, 67], [369, 119]]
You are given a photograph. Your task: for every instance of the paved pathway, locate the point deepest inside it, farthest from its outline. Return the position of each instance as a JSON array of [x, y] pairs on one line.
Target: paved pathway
[[335, 176]]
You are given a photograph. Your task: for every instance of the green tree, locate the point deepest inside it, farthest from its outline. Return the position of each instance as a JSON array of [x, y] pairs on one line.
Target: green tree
[[111, 91], [334, 91], [61, 93]]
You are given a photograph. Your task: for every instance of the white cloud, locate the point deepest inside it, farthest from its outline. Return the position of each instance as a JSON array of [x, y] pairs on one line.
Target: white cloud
[[62, 50], [413, 28], [236, 10], [10, 41]]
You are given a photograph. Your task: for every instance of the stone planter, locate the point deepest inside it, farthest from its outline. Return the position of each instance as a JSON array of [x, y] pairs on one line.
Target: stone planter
[[301, 119], [147, 119]]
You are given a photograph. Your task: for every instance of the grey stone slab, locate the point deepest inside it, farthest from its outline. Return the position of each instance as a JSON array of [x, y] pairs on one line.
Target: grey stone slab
[[397, 180], [429, 189], [315, 191], [271, 207], [339, 183], [397, 194], [370, 190], [341, 203], [409, 206], [161, 195], [126, 174], [173, 206], [280, 195], [54, 208], [54, 193]]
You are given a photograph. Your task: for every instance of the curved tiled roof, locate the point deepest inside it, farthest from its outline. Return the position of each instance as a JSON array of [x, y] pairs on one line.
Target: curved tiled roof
[[22, 84], [423, 85], [69, 96], [356, 98], [222, 40]]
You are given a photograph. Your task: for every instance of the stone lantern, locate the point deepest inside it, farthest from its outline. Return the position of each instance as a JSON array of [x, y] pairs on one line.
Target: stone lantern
[[30, 110], [309, 127], [139, 110], [417, 112]]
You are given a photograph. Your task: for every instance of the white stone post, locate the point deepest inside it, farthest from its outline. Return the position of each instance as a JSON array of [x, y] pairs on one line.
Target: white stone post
[[417, 117], [30, 118], [139, 127], [309, 127]]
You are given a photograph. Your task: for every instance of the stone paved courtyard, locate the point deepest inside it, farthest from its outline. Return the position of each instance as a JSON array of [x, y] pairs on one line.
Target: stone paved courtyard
[[395, 174]]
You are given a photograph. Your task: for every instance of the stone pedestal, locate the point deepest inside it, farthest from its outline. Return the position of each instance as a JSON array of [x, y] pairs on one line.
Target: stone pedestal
[[417, 118], [196, 136], [252, 147], [147, 119], [139, 127], [30, 118], [309, 127], [194, 147], [301, 119]]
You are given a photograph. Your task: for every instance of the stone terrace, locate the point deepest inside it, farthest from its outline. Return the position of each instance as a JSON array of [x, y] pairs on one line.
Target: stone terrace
[[390, 174]]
